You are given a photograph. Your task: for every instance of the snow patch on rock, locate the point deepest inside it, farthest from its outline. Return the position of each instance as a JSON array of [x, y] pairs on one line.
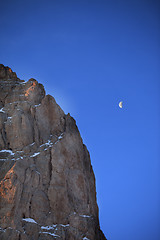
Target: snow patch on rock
[[7, 151], [1, 110], [35, 154], [85, 216], [31, 220]]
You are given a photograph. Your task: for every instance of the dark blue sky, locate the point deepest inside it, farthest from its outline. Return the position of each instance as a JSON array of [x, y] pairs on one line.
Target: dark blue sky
[[90, 55]]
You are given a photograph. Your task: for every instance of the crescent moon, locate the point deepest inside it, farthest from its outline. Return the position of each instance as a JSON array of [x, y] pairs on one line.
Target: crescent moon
[[120, 104]]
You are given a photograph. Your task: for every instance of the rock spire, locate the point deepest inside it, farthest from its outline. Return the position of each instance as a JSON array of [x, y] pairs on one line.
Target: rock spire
[[47, 185]]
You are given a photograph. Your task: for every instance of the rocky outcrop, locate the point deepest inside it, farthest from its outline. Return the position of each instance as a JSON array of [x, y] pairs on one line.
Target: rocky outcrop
[[47, 185]]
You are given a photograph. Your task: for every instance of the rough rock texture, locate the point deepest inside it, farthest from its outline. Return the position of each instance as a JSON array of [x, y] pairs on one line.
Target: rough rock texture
[[47, 185]]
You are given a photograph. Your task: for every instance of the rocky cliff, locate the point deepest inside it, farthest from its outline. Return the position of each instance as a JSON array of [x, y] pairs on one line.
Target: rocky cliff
[[47, 185]]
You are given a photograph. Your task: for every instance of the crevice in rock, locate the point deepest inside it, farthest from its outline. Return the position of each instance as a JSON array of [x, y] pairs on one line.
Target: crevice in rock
[[50, 166], [35, 129], [19, 237], [30, 203], [4, 134], [22, 192], [50, 175]]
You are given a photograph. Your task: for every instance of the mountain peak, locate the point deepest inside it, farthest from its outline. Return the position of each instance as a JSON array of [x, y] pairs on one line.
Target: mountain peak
[[47, 185]]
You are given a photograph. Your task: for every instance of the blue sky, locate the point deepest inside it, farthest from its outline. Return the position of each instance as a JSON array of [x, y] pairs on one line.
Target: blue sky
[[90, 55]]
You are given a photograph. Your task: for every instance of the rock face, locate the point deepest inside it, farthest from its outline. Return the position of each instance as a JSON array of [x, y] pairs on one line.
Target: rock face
[[47, 185]]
